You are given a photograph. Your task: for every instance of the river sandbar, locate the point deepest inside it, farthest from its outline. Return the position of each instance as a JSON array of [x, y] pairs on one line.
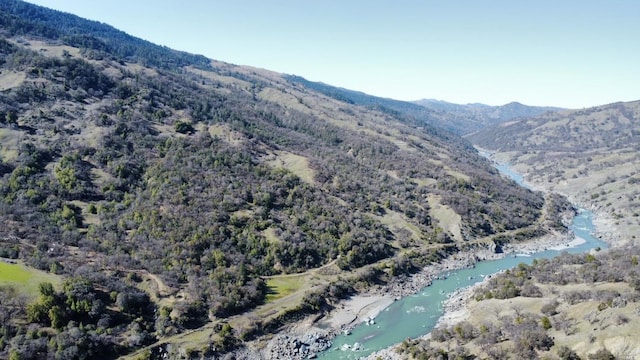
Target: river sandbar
[[357, 309]]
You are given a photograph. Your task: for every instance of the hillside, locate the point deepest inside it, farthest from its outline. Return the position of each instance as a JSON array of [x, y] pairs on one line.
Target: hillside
[[474, 117], [591, 155], [456, 118], [171, 195], [412, 112]]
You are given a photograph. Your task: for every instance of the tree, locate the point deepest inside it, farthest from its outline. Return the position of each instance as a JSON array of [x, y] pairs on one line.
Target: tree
[[11, 118], [184, 127], [602, 354], [57, 317], [46, 289], [565, 353]]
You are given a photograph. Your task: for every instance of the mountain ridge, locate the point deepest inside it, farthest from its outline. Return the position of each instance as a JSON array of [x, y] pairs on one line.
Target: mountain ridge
[[96, 36], [477, 116]]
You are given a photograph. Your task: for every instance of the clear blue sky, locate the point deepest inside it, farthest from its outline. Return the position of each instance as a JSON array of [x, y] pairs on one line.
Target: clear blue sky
[[571, 53]]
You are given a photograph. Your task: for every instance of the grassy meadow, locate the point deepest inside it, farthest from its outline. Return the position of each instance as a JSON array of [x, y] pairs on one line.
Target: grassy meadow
[[23, 278]]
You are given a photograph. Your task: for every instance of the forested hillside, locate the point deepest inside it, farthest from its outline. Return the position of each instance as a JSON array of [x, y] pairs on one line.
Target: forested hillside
[[591, 155], [97, 40], [169, 193]]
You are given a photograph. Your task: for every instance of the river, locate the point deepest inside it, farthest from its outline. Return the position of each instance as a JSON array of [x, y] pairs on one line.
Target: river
[[416, 315]]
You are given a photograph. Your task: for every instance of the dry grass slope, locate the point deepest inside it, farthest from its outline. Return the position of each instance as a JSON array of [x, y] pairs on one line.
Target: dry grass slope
[[591, 156]]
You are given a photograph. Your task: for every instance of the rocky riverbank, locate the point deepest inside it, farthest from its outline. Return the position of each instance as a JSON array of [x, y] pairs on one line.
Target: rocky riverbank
[[455, 310], [455, 307], [305, 339]]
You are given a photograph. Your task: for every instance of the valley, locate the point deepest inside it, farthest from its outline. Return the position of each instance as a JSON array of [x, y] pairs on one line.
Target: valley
[[589, 155], [161, 204]]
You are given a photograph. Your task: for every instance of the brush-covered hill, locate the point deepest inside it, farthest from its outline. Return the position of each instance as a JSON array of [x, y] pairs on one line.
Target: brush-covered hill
[[591, 155], [469, 118], [169, 193]]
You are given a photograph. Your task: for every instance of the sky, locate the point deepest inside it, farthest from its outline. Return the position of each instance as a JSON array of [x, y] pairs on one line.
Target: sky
[[566, 53]]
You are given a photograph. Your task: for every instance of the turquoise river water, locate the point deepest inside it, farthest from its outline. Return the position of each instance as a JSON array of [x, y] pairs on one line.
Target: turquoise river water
[[416, 315]]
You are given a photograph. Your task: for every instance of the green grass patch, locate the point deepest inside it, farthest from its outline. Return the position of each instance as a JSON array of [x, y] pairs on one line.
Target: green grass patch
[[280, 287], [25, 279], [14, 273]]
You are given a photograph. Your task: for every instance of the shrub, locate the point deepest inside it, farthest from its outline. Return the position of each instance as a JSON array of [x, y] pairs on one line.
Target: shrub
[[602, 354], [184, 127], [565, 353]]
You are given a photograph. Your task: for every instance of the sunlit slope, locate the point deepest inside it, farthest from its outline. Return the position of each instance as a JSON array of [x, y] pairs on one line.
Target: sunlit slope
[[592, 155]]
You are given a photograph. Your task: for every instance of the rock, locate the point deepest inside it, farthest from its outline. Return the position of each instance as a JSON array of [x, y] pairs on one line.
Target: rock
[[296, 347]]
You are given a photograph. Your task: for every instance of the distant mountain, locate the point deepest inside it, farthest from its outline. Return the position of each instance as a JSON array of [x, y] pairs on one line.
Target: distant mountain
[[456, 118], [590, 155], [613, 126], [473, 117]]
